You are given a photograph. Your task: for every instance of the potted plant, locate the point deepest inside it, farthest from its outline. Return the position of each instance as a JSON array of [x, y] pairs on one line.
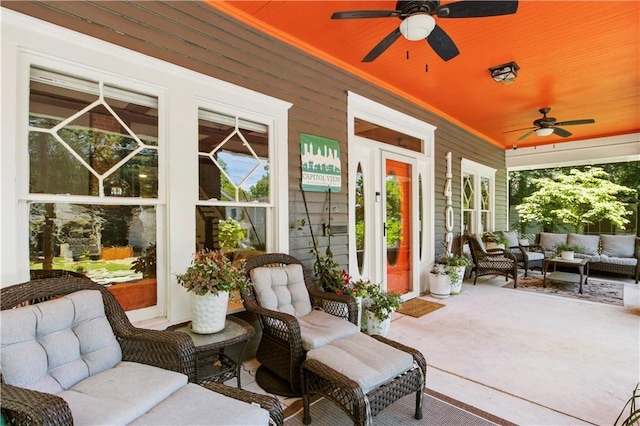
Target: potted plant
[[146, 263], [566, 251], [210, 278], [447, 274], [379, 307], [493, 240], [360, 290]]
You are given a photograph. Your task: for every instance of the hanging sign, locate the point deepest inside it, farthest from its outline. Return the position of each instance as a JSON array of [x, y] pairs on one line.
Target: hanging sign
[[320, 163]]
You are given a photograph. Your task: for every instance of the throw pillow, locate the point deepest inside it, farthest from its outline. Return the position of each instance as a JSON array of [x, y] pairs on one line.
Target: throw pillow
[[618, 245], [512, 238], [590, 243], [549, 240]]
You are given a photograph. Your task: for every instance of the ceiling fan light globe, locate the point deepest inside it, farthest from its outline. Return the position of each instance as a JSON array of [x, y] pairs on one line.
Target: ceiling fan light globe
[[545, 131], [417, 26]]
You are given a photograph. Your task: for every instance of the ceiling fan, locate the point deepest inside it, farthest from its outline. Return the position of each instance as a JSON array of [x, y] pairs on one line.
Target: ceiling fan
[[547, 125], [418, 22]]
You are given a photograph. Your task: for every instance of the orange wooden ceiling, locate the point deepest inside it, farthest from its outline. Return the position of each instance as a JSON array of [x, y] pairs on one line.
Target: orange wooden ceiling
[[581, 58]]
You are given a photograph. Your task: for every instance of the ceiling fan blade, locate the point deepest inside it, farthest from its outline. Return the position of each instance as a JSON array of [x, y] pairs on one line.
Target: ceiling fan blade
[[518, 130], [574, 122], [359, 14], [477, 9], [383, 45], [526, 134], [561, 132], [442, 44]]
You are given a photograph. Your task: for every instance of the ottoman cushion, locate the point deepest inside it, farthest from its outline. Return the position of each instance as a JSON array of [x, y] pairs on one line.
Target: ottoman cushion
[[364, 360]]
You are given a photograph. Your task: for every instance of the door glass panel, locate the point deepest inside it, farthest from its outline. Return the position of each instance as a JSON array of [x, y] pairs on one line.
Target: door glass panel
[[420, 217], [360, 218], [398, 223]]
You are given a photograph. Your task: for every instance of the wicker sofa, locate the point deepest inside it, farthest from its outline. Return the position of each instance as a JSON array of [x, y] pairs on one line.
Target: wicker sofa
[[71, 356], [619, 254]]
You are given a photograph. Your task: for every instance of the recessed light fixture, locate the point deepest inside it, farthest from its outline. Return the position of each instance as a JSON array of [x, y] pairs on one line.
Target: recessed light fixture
[[505, 73]]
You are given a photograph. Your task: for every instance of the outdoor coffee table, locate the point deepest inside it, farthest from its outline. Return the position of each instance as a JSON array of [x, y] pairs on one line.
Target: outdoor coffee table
[[212, 364], [581, 264]]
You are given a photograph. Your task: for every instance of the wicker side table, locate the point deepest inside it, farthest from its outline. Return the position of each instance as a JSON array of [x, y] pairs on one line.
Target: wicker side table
[[212, 364]]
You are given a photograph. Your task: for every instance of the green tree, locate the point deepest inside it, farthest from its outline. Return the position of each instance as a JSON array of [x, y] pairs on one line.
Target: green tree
[[578, 198]]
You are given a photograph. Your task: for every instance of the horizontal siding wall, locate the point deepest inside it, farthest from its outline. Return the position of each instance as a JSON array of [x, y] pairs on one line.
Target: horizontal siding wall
[[198, 37]]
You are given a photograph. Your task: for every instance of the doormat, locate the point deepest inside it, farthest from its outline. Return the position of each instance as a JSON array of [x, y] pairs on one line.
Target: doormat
[[418, 307], [595, 290]]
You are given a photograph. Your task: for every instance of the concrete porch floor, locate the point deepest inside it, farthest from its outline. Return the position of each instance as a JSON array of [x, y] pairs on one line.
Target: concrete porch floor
[[529, 358]]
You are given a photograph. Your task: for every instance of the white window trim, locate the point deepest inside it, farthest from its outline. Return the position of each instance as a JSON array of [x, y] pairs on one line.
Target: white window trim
[[478, 170], [24, 38], [361, 107]]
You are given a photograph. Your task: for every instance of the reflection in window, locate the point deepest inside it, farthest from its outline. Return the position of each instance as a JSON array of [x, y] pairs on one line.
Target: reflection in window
[[93, 140], [234, 182], [394, 217], [360, 218], [420, 217], [104, 242]]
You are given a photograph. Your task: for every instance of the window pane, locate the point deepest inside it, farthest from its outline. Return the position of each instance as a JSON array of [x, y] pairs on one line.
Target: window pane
[[233, 158], [102, 241], [468, 191], [379, 133], [81, 145], [485, 193], [360, 218], [231, 228]]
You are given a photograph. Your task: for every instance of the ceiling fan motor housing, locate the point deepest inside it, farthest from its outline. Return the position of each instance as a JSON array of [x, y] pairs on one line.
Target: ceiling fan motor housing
[[410, 7]]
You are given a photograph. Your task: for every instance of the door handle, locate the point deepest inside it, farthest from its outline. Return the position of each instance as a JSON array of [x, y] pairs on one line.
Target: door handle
[[384, 229]]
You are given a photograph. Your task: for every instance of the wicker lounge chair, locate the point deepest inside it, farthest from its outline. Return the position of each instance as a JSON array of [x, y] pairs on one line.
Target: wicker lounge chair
[[167, 350], [529, 257], [492, 261], [281, 352]]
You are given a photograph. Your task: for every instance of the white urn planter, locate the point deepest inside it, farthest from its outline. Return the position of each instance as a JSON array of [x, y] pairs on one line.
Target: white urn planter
[[375, 326], [456, 285], [439, 284], [567, 255], [209, 312]]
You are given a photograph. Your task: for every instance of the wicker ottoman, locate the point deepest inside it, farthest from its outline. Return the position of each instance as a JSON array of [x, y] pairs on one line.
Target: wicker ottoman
[[362, 375]]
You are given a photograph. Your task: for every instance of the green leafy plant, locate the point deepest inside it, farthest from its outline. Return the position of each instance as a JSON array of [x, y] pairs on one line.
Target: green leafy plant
[[357, 288], [494, 237], [231, 233], [146, 263], [211, 271], [448, 263], [382, 303], [634, 412], [559, 248]]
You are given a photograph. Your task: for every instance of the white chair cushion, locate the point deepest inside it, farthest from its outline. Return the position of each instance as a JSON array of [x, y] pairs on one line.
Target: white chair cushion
[[534, 255], [363, 359], [121, 394], [618, 245], [282, 289], [51, 346], [590, 243], [212, 409], [319, 328]]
